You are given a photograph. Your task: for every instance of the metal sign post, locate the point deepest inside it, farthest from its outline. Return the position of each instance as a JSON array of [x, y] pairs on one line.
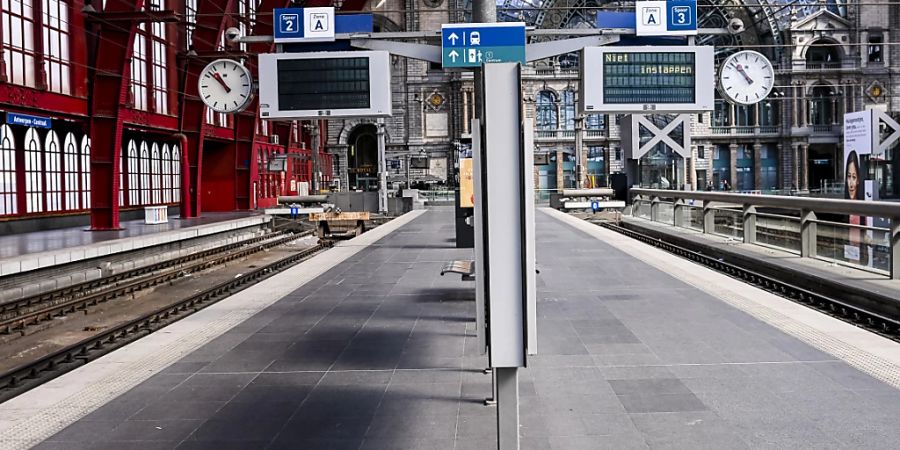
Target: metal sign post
[[382, 170], [507, 238]]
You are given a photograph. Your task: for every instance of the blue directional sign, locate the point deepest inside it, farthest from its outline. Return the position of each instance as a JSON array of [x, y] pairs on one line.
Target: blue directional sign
[[304, 25], [474, 44]]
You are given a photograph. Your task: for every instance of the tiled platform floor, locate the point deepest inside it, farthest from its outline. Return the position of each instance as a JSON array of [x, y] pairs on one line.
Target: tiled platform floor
[[379, 353], [13, 245]]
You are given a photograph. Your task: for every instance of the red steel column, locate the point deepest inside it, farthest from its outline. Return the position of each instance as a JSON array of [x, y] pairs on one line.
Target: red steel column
[[211, 22], [114, 43]]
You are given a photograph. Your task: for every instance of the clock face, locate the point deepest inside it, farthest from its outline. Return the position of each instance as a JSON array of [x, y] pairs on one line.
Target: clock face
[[225, 86], [746, 77]]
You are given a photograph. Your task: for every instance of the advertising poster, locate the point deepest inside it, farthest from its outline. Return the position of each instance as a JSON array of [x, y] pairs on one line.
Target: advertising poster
[[858, 141], [466, 183]]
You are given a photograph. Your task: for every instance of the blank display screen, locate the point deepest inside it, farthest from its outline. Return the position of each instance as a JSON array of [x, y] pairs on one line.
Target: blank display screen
[[323, 84]]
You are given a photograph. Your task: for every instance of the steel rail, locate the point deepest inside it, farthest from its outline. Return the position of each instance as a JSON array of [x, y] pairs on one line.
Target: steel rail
[[26, 376], [873, 321], [75, 289], [22, 320]]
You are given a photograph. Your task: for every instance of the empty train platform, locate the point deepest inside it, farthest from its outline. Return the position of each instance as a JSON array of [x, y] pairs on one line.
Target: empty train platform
[[366, 346]]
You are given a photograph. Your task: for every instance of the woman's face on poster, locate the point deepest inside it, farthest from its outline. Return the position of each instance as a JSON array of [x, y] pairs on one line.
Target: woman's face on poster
[[852, 181]]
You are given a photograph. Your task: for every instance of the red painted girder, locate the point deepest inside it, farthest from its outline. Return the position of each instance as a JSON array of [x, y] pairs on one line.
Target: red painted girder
[[41, 103], [114, 44]]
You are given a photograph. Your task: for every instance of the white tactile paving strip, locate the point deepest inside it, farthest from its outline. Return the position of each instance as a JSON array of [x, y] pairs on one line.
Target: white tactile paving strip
[[866, 351], [38, 414]]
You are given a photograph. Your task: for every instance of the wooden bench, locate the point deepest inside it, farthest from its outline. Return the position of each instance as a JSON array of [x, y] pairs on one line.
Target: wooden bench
[[466, 268]]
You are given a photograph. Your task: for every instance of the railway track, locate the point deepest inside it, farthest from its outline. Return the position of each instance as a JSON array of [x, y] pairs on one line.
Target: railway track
[[18, 315], [26, 376], [876, 322]]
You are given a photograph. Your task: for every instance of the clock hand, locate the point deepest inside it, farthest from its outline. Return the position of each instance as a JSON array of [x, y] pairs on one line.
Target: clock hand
[[221, 81], [740, 69]]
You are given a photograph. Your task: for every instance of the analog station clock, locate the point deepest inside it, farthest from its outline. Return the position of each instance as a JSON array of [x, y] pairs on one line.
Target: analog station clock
[[225, 86], [746, 77]]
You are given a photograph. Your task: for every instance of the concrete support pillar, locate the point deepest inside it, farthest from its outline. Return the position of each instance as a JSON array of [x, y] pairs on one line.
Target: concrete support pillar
[[733, 148], [654, 209], [804, 167], [895, 248], [560, 173], [757, 166], [808, 234], [795, 166], [749, 224], [678, 212], [709, 218]]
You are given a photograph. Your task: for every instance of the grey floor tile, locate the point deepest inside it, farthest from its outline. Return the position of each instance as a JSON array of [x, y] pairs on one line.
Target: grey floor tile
[[153, 430], [662, 403]]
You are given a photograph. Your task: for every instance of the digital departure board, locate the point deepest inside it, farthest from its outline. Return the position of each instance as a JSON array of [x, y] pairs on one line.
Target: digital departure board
[[327, 83], [324, 84], [648, 79]]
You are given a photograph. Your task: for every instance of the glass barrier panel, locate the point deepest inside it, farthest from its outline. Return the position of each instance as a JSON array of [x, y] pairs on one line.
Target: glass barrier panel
[[863, 247], [780, 232], [666, 212], [694, 218], [729, 223]]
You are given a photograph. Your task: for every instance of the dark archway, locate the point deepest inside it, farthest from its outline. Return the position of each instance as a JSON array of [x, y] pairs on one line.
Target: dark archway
[[362, 158]]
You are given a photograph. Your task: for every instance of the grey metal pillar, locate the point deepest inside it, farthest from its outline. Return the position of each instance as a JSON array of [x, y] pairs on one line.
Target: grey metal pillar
[[709, 218], [579, 151], [507, 407], [478, 214], [749, 224], [382, 170], [895, 248], [654, 209], [808, 234], [483, 11]]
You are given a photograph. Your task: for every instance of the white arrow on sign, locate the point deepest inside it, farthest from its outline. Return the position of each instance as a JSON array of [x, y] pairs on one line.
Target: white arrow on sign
[[453, 37], [453, 55]]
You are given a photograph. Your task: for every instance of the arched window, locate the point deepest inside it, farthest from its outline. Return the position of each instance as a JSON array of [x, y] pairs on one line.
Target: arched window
[[134, 175], [145, 174], [34, 172], [71, 174], [823, 104], [547, 114], [568, 109], [53, 172], [166, 175], [155, 174], [823, 55], [86, 172], [176, 173], [8, 204]]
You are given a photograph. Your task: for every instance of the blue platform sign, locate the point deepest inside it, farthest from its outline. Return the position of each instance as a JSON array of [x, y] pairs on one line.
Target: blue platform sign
[[28, 121], [474, 44], [666, 17], [682, 16], [304, 25]]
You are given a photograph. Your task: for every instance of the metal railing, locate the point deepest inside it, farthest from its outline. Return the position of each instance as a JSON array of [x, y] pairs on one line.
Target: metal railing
[[795, 227], [563, 134], [438, 195]]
